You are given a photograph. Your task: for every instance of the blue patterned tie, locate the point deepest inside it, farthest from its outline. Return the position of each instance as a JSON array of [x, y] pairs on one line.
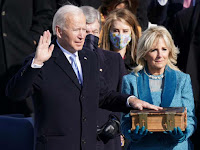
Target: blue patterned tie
[[75, 67]]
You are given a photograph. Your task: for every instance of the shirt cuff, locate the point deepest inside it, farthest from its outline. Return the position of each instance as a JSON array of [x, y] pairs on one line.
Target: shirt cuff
[[162, 2], [36, 65], [127, 102]]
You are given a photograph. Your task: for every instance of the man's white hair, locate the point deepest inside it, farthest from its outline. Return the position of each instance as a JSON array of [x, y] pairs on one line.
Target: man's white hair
[[59, 18], [91, 14]]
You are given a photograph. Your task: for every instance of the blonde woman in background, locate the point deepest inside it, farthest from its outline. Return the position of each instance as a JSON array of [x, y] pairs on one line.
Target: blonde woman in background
[[120, 34]]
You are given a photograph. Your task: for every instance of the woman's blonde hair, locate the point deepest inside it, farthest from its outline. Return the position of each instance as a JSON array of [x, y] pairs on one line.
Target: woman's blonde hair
[[146, 42], [126, 17]]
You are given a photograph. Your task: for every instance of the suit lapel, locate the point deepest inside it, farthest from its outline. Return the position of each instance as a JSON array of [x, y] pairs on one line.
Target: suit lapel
[[64, 64], [103, 60], [83, 57]]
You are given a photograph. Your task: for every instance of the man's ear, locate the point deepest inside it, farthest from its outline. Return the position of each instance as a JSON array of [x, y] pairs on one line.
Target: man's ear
[[58, 32]]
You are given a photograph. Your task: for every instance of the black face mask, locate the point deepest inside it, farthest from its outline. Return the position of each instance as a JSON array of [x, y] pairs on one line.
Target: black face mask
[[91, 42], [109, 130]]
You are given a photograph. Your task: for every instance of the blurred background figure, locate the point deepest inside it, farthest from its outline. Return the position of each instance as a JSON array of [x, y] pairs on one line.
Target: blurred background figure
[[185, 29], [160, 11], [93, 3], [120, 34], [22, 22], [137, 7], [112, 69], [158, 81]]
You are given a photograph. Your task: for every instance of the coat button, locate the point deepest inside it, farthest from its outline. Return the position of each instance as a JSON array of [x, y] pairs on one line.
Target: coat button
[[82, 97], [83, 141], [4, 34], [84, 119], [3, 13]]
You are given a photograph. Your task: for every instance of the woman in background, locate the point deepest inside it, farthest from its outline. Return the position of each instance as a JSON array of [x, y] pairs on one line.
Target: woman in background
[[120, 34]]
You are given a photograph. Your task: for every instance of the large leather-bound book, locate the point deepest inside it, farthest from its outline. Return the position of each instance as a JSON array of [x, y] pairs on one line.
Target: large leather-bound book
[[159, 121]]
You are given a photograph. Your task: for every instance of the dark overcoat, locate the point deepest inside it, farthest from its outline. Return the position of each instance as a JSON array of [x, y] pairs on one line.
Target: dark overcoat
[[112, 69], [65, 111]]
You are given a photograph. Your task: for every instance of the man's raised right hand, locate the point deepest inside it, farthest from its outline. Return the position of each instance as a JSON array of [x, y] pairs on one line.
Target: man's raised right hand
[[43, 51]]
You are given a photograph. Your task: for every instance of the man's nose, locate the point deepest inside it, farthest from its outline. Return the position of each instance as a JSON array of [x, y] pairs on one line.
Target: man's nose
[[82, 33]]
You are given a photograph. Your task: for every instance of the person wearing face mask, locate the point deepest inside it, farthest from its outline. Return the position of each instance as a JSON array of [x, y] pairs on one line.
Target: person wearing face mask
[[156, 79], [112, 69], [121, 34]]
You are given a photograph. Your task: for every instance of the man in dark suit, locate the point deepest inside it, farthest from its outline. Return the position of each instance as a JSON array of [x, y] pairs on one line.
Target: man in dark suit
[[112, 69], [21, 24], [66, 86], [185, 29]]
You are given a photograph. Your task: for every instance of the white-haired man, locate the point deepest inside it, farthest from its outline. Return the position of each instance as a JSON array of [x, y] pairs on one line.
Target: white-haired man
[[113, 70]]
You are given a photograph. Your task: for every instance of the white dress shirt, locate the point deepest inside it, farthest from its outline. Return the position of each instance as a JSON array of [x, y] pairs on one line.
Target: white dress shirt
[[67, 55]]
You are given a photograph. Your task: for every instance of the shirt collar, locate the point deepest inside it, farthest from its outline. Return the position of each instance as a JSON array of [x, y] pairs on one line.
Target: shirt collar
[[66, 52]]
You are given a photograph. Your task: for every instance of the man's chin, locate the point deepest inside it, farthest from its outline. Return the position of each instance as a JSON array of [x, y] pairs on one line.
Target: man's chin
[[78, 48]]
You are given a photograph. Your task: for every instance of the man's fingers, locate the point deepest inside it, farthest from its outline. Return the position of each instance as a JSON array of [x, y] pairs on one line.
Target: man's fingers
[[150, 106], [40, 40], [49, 37], [51, 47], [45, 37]]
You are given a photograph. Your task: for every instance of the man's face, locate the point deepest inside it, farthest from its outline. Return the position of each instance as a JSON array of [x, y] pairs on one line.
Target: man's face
[[72, 37], [93, 28]]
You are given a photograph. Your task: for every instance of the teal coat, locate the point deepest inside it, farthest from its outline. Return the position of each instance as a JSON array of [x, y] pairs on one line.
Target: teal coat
[[177, 92]]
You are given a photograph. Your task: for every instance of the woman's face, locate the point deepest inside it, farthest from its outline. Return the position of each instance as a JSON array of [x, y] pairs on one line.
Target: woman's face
[[119, 27], [157, 57]]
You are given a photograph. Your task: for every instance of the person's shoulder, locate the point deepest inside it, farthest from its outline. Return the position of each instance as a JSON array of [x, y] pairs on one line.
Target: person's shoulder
[[109, 53], [131, 76], [88, 52], [181, 75]]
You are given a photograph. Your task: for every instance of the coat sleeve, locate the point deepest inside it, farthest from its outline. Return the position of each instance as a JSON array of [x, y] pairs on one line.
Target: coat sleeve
[[188, 102], [21, 84]]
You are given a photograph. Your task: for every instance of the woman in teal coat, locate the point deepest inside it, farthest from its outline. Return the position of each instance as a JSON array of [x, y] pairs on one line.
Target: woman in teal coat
[[158, 81]]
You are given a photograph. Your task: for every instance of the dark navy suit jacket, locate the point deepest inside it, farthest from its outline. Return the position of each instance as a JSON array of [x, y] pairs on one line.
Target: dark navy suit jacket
[[65, 111]]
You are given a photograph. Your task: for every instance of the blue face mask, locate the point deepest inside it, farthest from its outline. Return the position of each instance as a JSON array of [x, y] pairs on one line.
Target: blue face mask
[[120, 41]]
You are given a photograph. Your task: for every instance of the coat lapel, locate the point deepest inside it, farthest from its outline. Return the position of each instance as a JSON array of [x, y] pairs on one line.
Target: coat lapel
[[144, 92], [103, 60], [64, 64], [168, 92], [169, 87], [84, 65]]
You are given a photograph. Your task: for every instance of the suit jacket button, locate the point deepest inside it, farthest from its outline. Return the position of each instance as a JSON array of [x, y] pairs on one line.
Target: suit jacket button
[[84, 119], [4, 34], [3, 13], [83, 141]]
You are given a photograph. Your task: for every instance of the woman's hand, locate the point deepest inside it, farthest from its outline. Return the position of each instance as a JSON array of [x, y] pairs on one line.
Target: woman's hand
[[138, 134], [177, 134]]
